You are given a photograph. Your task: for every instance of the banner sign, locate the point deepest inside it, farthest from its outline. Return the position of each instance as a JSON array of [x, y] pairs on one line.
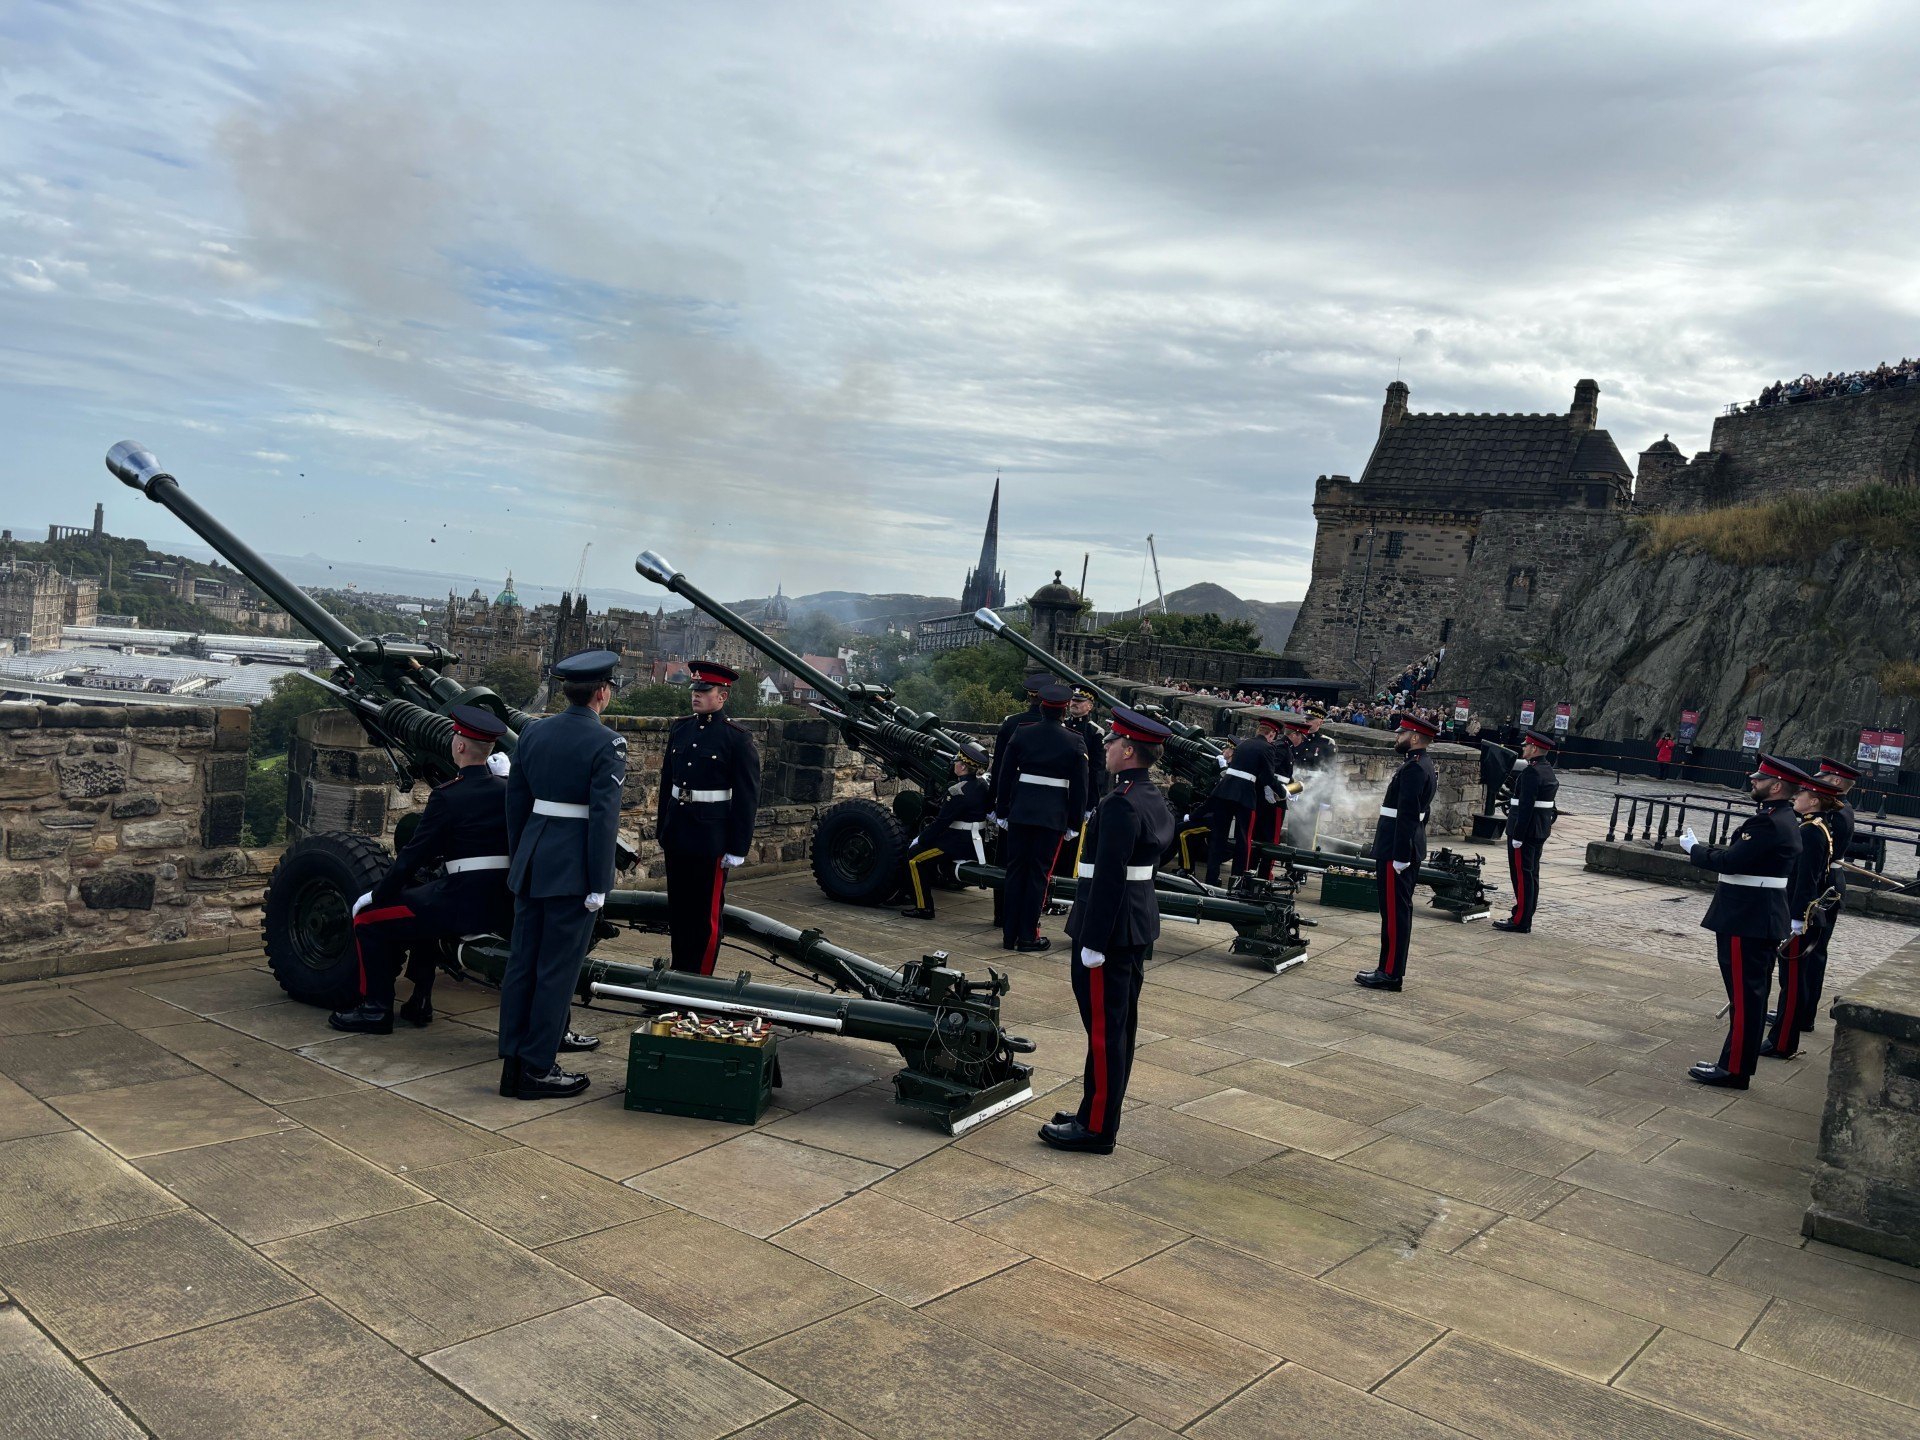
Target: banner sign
[[1526, 714], [1460, 710], [1869, 753], [1562, 717], [1893, 748], [1689, 726]]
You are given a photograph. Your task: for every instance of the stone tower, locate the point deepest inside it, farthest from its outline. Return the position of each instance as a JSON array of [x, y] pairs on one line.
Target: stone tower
[[1659, 463], [1053, 610], [986, 585]]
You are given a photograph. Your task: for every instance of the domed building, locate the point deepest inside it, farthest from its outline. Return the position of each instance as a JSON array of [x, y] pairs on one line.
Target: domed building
[[1054, 610]]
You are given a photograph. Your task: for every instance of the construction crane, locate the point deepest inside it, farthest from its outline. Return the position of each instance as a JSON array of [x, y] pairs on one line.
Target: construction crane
[[1160, 589], [580, 575]]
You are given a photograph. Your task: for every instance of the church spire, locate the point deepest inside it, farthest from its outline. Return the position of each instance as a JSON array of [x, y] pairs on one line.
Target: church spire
[[985, 584]]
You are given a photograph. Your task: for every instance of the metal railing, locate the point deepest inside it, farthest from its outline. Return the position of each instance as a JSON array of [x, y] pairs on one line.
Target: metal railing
[[1655, 819]]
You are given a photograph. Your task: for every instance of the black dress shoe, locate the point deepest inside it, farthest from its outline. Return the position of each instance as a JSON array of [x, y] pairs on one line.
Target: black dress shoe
[[1707, 1073], [918, 912], [572, 1043], [1771, 1050], [1028, 947], [556, 1084], [1072, 1135], [417, 1012], [1511, 928], [510, 1076], [364, 1019], [1377, 980]]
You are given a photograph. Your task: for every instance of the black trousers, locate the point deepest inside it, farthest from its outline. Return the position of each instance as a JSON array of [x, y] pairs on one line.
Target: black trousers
[[1269, 828], [696, 894], [1031, 853], [1813, 965], [1789, 1009], [1492, 787], [1746, 968], [550, 938], [385, 937], [1396, 915], [1229, 837], [1109, 1001], [1523, 866]]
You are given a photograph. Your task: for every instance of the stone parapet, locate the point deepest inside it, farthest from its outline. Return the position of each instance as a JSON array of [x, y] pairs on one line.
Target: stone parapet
[[1669, 867], [120, 830], [1866, 1185]]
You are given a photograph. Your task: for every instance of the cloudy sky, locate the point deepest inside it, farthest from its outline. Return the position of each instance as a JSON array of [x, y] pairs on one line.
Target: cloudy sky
[[776, 289]]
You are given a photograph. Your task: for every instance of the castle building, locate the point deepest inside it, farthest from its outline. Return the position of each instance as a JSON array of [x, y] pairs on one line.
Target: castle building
[[34, 599], [1492, 512], [481, 632]]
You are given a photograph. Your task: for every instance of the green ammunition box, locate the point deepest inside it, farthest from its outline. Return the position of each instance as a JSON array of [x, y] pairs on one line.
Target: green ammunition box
[[707, 1079], [1348, 891]]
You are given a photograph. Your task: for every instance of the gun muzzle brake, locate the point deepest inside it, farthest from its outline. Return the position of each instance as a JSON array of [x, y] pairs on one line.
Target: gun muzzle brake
[[656, 567], [133, 464]]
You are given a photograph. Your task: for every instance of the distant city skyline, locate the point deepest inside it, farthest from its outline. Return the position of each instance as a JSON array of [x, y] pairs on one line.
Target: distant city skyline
[[778, 292]]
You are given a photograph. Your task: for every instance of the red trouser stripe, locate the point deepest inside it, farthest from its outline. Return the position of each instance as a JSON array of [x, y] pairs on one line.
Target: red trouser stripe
[[713, 919], [1789, 999], [1519, 873], [370, 916], [1097, 1037], [1738, 984], [1046, 885], [1390, 888]]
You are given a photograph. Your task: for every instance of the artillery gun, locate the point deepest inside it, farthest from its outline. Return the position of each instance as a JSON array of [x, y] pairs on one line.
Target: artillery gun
[[959, 1060], [1459, 890], [859, 851]]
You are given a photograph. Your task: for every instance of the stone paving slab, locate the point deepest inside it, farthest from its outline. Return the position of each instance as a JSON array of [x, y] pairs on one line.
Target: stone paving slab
[[46, 1396], [1489, 1254], [1752, 1397], [164, 1115]]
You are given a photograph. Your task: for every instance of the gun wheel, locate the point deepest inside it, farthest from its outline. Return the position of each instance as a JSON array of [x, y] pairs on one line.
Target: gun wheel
[[859, 853], [307, 926]]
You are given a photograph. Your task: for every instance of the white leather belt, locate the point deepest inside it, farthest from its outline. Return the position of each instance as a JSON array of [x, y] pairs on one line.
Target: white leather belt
[[976, 826], [702, 797], [1390, 812], [1543, 805], [477, 862], [1134, 872], [1053, 780], [1239, 775], [1758, 882], [561, 810]]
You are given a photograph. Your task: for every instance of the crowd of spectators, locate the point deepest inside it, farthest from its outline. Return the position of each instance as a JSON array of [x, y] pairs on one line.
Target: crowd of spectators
[[1381, 712], [1830, 386]]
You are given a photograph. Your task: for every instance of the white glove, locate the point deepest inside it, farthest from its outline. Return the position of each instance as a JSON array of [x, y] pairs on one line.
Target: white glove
[[1000, 824], [595, 901], [1073, 834], [1799, 927], [733, 861], [1688, 840], [500, 763], [1516, 844], [1092, 959], [1086, 815], [1272, 799], [1221, 760], [362, 903], [1400, 866]]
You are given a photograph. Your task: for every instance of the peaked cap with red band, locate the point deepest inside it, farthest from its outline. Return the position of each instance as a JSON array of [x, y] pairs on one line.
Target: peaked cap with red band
[[1269, 721], [711, 672], [473, 723], [1785, 770], [1534, 737], [1419, 726], [1835, 767], [1132, 725], [1054, 697], [1294, 720]]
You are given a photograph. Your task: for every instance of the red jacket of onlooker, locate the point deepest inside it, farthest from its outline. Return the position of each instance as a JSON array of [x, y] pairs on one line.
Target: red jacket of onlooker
[[1663, 751]]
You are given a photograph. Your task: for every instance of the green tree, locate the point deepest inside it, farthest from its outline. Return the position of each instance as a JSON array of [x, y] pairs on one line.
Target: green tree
[[979, 704], [1203, 632], [274, 717], [513, 680], [266, 802], [651, 700], [814, 632]]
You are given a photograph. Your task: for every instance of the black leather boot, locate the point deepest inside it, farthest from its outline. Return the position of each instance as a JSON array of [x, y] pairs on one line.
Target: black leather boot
[[510, 1076], [418, 1011], [1075, 1136], [366, 1018], [573, 1043], [556, 1084]]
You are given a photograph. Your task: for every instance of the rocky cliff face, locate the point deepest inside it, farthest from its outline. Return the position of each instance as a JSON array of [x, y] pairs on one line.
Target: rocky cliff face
[[1637, 637]]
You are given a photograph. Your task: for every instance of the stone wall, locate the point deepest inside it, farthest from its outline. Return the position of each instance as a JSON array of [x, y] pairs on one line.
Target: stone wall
[[1866, 1184], [1150, 661], [123, 828], [1822, 445], [1525, 562]]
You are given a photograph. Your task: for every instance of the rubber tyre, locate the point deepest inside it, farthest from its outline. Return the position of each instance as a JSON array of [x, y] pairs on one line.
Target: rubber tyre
[[859, 853], [307, 924]]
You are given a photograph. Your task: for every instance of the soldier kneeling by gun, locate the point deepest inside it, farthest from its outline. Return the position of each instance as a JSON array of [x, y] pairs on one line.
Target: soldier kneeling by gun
[[955, 830], [462, 832]]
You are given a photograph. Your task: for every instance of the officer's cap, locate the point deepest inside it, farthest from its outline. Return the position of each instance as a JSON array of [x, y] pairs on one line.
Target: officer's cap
[[1294, 720], [588, 667], [1037, 681], [1081, 692], [1836, 767], [475, 723], [709, 673], [1418, 726], [1786, 770], [1132, 725], [1534, 737], [1055, 696], [973, 755], [1268, 721]]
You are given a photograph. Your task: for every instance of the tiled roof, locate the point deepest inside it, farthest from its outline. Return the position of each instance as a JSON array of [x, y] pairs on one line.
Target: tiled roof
[[1450, 450]]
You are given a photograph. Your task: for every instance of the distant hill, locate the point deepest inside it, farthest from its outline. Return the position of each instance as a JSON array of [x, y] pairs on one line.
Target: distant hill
[[1272, 618], [873, 612]]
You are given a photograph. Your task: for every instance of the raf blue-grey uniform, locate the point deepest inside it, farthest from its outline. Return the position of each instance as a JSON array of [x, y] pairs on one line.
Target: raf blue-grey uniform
[[563, 821]]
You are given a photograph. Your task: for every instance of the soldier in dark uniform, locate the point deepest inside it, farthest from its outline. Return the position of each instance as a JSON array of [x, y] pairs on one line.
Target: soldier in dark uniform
[[1270, 815], [1035, 682], [1316, 751], [1813, 951], [1244, 778], [1399, 845], [1496, 767], [462, 834], [1040, 790], [1530, 817], [1113, 924], [709, 791], [1748, 915], [955, 831], [1080, 720], [1809, 884], [563, 830]]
